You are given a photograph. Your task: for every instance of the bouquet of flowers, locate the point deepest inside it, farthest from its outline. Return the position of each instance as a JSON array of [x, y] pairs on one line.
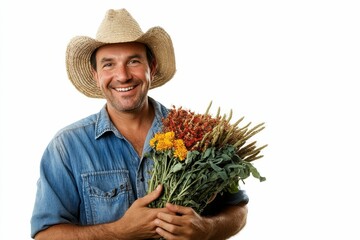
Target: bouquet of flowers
[[197, 156]]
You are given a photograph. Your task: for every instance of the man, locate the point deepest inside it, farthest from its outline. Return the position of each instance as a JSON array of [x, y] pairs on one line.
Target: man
[[93, 174]]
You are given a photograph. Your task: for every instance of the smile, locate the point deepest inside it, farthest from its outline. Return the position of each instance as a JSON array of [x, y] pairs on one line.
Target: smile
[[124, 89]]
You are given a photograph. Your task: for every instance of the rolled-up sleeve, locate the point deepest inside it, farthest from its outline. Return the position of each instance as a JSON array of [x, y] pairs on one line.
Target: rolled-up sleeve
[[226, 199]]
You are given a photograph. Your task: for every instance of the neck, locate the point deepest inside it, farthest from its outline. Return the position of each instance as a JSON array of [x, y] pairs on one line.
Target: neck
[[134, 126], [133, 118]]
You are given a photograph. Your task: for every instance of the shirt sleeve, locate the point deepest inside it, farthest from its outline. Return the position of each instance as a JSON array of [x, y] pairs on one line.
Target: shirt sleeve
[[226, 199], [56, 199]]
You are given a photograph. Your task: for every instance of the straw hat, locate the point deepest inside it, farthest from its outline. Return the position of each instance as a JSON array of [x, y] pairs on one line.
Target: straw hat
[[118, 26]]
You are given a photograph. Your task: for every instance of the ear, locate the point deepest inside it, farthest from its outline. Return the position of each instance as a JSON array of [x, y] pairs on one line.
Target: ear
[[95, 76]]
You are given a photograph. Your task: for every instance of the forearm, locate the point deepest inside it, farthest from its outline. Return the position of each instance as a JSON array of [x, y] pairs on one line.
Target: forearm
[[137, 223], [227, 223], [74, 232]]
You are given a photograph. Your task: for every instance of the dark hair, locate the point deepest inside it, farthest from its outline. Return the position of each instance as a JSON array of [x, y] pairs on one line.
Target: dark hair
[[149, 55], [93, 59]]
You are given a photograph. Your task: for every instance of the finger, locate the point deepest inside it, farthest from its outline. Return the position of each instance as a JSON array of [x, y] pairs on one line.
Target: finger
[[179, 209], [166, 217], [165, 234], [146, 200]]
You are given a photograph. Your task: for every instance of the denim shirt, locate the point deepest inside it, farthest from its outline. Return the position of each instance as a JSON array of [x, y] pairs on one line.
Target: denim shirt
[[90, 174]]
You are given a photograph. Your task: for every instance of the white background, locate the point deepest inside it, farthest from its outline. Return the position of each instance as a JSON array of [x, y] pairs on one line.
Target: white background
[[291, 64]]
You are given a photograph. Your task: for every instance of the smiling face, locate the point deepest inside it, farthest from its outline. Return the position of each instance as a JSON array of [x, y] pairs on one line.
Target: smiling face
[[124, 76]]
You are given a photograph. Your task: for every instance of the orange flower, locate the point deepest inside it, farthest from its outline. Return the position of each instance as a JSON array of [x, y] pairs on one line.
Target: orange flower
[[180, 149], [167, 141], [162, 141]]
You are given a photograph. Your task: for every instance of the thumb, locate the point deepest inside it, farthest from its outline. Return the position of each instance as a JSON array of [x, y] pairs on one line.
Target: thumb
[[147, 199]]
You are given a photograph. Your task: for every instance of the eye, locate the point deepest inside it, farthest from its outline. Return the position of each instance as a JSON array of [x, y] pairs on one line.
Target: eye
[[107, 65], [134, 61]]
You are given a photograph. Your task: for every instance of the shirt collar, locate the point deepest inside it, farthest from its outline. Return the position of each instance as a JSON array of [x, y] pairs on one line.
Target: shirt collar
[[104, 124]]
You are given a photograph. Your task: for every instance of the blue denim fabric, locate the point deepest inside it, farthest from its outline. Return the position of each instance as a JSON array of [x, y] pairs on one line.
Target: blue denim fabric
[[90, 174]]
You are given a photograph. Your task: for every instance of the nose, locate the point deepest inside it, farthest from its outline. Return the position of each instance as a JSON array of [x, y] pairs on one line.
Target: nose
[[122, 73]]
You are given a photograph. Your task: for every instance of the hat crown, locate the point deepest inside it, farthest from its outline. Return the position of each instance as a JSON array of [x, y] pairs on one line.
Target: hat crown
[[118, 26]]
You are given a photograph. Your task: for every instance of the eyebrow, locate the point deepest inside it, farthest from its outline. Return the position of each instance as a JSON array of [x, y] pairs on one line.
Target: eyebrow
[[107, 59]]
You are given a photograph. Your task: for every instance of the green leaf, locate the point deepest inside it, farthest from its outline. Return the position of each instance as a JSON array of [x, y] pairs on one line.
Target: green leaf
[[207, 153], [192, 203], [191, 155], [215, 167], [231, 166], [213, 177], [244, 173], [223, 175], [177, 167], [225, 157], [256, 173], [233, 187]]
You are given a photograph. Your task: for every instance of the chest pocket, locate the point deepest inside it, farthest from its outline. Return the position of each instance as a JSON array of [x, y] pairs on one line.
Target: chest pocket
[[107, 195]]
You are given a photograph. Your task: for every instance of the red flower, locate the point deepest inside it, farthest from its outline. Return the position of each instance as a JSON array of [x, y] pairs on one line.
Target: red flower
[[189, 127]]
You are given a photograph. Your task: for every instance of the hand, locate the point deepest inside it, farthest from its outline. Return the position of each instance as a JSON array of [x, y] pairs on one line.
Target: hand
[[182, 223], [139, 219]]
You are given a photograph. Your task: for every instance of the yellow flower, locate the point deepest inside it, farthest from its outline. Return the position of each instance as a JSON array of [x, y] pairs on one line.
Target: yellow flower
[[170, 135], [167, 141], [153, 142], [164, 144], [162, 141], [180, 149]]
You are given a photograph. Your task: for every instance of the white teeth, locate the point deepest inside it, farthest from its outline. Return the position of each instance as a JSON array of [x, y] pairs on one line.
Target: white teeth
[[124, 89]]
